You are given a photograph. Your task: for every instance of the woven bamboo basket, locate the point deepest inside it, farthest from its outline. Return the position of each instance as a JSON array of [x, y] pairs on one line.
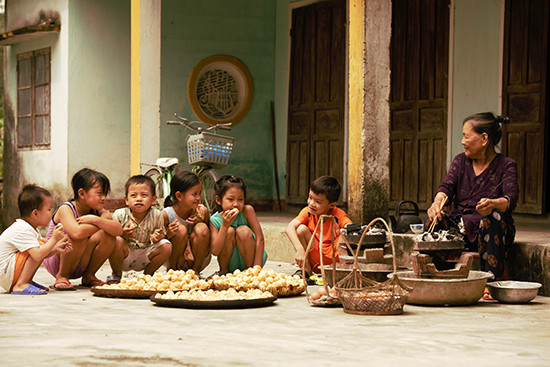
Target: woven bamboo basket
[[364, 296], [329, 300]]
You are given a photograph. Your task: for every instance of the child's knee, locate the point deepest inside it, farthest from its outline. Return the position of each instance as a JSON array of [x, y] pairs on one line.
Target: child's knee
[[303, 232], [163, 251], [243, 233], [201, 231]]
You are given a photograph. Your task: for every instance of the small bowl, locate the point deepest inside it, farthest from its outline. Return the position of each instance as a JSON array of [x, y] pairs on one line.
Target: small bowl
[[417, 228], [512, 291]]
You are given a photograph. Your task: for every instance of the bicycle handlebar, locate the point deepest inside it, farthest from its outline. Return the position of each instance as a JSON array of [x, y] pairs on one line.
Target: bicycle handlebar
[[189, 124]]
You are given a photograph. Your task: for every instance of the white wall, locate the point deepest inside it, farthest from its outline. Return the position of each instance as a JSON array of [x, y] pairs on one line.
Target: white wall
[[476, 76], [99, 89], [44, 167]]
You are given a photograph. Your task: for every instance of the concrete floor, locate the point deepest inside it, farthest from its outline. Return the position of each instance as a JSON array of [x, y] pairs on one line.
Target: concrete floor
[[79, 329]]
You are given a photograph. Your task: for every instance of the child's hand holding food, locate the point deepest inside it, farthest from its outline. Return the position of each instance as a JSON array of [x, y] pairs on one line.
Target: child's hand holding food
[[63, 246], [156, 236], [228, 216], [129, 230], [172, 228], [58, 232]]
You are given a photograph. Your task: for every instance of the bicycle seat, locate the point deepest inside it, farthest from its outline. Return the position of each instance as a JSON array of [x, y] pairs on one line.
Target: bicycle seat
[[166, 162]]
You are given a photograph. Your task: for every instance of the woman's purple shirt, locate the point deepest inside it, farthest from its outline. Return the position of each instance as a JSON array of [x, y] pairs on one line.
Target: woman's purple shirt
[[464, 189]]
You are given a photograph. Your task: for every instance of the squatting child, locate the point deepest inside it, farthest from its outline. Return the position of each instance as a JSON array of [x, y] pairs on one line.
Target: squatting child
[[322, 199], [143, 244], [91, 230], [186, 222], [22, 248], [237, 237]]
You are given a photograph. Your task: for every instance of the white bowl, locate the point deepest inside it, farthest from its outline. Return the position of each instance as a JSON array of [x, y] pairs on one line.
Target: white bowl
[[417, 228]]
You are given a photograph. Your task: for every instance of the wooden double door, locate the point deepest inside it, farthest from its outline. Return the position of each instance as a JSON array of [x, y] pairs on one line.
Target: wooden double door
[[418, 100], [316, 96]]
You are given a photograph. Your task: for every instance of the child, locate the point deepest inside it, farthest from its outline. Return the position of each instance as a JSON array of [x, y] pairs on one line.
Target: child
[[186, 222], [237, 238], [91, 230], [143, 245], [22, 249], [323, 198]]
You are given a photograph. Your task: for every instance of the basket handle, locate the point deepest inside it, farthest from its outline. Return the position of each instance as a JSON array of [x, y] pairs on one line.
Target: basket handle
[[308, 248], [372, 222]]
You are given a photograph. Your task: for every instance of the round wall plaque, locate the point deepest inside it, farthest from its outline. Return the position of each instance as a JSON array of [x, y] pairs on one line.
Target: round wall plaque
[[220, 89]]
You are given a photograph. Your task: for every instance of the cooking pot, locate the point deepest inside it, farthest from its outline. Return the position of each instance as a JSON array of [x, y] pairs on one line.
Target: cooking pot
[[402, 220]]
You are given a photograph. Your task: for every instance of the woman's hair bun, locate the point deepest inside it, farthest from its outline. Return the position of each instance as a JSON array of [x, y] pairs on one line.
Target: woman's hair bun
[[503, 119]]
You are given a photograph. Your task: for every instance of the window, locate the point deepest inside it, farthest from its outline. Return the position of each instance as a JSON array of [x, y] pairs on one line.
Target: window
[[33, 99]]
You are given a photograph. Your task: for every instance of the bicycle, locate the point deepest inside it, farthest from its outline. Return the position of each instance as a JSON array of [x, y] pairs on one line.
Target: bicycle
[[206, 152]]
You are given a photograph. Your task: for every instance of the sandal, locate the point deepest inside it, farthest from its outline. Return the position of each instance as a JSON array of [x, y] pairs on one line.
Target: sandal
[[66, 286], [93, 283], [486, 295], [309, 281], [113, 279]]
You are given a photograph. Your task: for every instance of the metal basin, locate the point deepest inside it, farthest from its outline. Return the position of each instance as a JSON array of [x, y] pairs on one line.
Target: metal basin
[[448, 292], [511, 291]]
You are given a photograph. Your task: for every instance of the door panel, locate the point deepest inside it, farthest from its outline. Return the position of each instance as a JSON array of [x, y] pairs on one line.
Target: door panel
[[525, 95], [418, 126], [316, 96]]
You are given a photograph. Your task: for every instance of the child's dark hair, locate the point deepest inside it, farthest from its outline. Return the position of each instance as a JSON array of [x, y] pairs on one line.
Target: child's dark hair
[[31, 198], [181, 182], [328, 186], [225, 183], [138, 180], [86, 178]]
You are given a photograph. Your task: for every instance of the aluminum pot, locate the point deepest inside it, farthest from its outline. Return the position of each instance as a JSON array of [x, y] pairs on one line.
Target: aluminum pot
[[511, 291], [445, 291]]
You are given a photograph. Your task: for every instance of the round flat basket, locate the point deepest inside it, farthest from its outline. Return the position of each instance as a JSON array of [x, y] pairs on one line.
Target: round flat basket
[[221, 304], [122, 293]]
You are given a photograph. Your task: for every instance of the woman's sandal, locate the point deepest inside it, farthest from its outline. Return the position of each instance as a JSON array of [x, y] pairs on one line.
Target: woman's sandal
[[487, 295], [93, 283], [67, 286]]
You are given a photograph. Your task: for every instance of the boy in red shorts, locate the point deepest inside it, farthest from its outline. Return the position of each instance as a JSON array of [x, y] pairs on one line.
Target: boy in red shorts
[[322, 199]]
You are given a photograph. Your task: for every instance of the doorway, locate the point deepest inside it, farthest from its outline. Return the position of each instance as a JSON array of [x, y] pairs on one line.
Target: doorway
[[315, 145]]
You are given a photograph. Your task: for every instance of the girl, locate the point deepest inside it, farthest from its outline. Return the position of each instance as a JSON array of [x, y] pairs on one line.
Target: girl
[[90, 228], [185, 220], [237, 238]]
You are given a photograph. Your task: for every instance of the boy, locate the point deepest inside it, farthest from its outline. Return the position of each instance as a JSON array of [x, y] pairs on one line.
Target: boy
[[143, 245], [323, 198], [22, 249]]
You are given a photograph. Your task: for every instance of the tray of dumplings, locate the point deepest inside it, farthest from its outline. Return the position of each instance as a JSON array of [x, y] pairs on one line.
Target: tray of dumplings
[[266, 280], [144, 286], [214, 299]]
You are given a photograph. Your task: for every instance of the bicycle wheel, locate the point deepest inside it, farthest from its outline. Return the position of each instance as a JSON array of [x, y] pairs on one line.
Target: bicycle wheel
[[157, 177], [208, 178]]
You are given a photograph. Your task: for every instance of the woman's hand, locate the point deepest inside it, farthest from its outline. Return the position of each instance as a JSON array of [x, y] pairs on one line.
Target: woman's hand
[[435, 210], [485, 206]]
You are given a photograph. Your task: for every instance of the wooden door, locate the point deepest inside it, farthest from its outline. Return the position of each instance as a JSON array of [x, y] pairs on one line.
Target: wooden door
[[315, 144], [524, 97], [418, 101]]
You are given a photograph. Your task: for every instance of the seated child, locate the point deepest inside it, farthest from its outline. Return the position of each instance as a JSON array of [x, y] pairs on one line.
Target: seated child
[[186, 223], [22, 249], [91, 230], [237, 237], [323, 198], [142, 245]]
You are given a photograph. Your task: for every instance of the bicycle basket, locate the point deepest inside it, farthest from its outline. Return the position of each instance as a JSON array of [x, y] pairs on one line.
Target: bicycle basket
[[209, 149]]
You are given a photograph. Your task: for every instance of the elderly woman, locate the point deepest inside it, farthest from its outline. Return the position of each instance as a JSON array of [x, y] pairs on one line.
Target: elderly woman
[[482, 189]]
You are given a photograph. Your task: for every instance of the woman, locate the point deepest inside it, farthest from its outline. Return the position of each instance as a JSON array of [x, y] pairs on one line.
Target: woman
[[482, 189]]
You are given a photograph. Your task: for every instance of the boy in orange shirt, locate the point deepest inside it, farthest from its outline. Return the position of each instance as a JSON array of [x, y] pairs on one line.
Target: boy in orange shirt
[[323, 198]]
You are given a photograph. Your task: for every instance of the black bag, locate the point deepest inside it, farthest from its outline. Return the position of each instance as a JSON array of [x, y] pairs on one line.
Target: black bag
[[403, 218]]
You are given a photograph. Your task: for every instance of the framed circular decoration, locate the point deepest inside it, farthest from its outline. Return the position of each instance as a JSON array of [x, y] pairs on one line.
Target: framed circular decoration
[[220, 89]]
